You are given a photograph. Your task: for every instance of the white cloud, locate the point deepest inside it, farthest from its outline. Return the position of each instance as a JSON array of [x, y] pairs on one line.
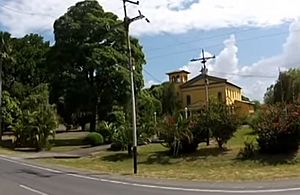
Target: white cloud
[[172, 16], [254, 78], [149, 83]]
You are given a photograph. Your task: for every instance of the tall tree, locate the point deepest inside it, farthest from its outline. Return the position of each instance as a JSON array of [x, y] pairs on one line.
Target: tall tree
[[166, 94], [286, 89], [89, 62], [29, 67], [5, 57]]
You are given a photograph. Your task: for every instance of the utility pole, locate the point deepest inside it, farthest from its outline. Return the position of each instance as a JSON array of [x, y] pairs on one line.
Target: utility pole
[[204, 71], [127, 22]]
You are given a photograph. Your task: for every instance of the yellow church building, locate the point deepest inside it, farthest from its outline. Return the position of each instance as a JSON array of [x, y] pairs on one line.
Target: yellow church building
[[192, 93]]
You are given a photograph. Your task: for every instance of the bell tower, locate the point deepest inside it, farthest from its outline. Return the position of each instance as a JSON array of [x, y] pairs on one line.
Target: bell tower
[[178, 77]]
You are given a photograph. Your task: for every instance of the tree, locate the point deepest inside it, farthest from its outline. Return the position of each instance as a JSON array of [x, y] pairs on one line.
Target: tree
[[222, 122], [269, 95], [89, 62], [5, 51], [166, 94], [286, 89], [10, 110], [37, 121]]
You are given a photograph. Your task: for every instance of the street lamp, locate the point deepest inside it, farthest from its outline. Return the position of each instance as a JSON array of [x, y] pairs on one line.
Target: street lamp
[[186, 112]]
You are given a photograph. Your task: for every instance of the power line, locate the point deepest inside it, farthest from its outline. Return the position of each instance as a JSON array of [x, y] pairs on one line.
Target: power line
[[152, 76], [200, 39], [24, 12], [219, 44], [246, 75]]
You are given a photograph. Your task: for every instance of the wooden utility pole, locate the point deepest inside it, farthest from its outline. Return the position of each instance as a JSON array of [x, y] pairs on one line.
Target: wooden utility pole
[[127, 22], [204, 71]]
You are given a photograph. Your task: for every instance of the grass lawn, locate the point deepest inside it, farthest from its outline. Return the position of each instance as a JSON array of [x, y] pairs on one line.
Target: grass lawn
[[68, 141], [207, 164]]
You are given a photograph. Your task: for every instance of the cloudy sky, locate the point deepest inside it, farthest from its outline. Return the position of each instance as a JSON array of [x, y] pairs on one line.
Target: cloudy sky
[[252, 39]]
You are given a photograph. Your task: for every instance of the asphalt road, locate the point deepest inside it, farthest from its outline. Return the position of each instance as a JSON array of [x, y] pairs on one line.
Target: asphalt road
[[19, 178]]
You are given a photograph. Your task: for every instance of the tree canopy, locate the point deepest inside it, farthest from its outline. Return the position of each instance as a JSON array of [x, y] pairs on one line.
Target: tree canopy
[[89, 63]]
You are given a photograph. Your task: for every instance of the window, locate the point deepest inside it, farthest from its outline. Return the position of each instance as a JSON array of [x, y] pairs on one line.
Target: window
[[178, 79], [188, 100], [220, 96]]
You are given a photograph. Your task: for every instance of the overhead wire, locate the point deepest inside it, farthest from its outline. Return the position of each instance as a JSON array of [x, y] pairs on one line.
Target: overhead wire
[[200, 39], [24, 12], [152, 76], [216, 45]]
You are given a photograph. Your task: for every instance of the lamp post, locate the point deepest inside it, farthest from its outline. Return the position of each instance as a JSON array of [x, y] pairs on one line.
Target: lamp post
[[186, 112]]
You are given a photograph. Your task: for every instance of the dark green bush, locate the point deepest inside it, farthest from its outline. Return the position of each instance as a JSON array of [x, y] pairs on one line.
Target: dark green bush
[[94, 139]]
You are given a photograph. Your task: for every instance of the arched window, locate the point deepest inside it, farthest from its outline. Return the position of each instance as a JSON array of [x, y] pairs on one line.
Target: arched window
[[178, 79]]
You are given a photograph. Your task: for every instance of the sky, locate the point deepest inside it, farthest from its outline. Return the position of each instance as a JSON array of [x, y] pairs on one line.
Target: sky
[[252, 39]]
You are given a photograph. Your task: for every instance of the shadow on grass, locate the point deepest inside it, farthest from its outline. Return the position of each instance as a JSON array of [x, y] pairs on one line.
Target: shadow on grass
[[203, 153], [116, 157], [268, 159], [166, 158], [68, 142], [162, 158]]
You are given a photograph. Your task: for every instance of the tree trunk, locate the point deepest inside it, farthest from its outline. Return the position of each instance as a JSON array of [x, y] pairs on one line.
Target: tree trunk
[[93, 122]]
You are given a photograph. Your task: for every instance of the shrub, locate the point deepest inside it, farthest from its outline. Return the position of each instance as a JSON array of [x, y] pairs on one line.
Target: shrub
[[278, 129], [177, 135], [248, 151], [106, 130], [222, 122], [94, 139]]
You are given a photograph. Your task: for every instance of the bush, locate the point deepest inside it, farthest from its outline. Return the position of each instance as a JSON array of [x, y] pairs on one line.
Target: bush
[[222, 122], [106, 130], [178, 136], [278, 129], [248, 151], [94, 139]]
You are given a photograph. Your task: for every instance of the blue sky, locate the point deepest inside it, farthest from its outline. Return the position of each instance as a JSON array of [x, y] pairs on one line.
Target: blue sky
[[250, 42]]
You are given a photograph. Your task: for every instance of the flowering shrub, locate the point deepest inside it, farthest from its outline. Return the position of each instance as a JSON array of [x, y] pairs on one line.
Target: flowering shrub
[[278, 129]]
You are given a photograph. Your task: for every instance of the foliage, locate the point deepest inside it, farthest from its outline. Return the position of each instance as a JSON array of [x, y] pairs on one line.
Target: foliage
[[122, 138], [147, 107], [248, 151], [94, 139], [166, 94], [28, 68], [278, 129], [122, 135], [222, 122], [286, 89], [106, 130], [10, 110], [37, 121], [177, 136], [88, 64]]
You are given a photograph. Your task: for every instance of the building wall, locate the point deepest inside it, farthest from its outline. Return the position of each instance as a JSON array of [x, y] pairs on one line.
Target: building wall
[[232, 94], [243, 109], [198, 95]]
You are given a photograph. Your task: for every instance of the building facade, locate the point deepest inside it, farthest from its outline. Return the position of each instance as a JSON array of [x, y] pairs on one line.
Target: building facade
[[192, 93]]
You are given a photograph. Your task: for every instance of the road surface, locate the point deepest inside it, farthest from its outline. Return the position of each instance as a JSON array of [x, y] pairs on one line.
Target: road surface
[[20, 178]]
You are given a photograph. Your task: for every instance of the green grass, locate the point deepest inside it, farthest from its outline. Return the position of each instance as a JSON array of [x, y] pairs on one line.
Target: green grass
[[207, 164], [68, 141]]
